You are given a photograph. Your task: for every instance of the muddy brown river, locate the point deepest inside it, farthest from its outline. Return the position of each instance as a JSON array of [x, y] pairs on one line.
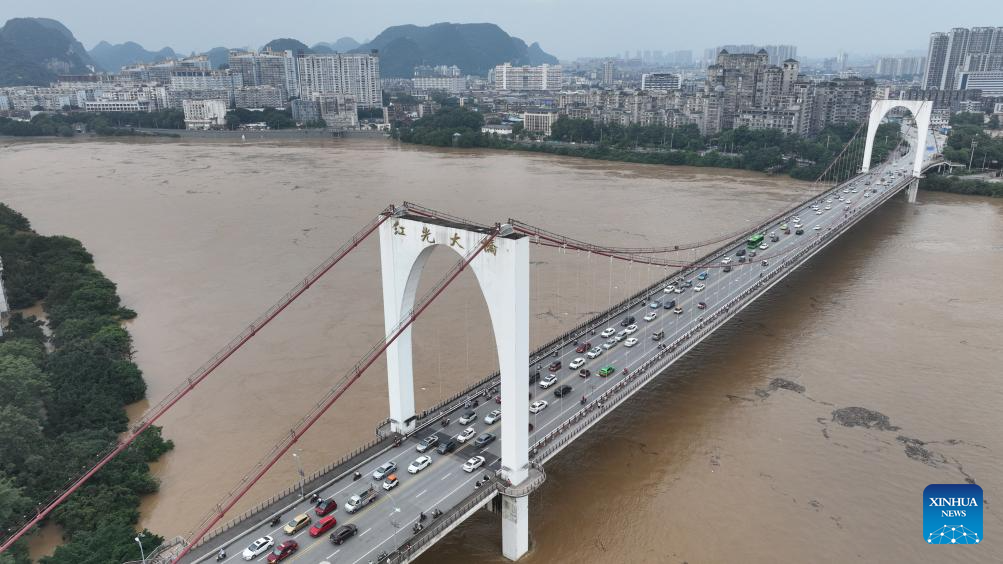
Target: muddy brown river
[[903, 316]]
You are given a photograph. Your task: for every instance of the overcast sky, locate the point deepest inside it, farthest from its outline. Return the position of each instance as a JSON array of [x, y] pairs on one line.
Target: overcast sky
[[565, 28]]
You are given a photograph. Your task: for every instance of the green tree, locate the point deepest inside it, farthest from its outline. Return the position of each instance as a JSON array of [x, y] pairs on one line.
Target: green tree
[[22, 384]]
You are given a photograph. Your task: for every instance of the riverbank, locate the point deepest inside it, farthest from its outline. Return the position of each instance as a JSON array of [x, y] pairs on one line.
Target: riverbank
[[64, 386], [962, 185]]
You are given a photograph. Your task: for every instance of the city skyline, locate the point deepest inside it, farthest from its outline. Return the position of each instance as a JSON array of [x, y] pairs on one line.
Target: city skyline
[[582, 33]]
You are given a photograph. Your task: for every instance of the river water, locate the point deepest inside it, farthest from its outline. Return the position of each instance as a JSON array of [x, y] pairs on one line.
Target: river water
[[903, 316]]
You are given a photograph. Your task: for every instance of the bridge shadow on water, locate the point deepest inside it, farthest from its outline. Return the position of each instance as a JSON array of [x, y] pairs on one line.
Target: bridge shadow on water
[[634, 454]]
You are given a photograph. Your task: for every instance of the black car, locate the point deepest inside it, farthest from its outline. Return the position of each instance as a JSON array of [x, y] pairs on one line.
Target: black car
[[584, 373], [448, 446], [740, 253], [629, 320], [669, 304], [727, 268], [484, 440], [741, 259], [799, 232], [534, 377], [343, 533], [562, 391]]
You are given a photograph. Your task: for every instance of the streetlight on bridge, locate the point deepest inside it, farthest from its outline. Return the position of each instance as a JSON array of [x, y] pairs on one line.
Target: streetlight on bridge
[[142, 553], [299, 469]]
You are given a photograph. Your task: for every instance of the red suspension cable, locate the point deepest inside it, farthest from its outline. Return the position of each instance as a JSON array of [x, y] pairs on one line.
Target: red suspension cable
[[202, 373]]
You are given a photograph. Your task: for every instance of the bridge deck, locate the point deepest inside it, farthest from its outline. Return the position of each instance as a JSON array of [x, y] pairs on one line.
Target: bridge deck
[[386, 525]]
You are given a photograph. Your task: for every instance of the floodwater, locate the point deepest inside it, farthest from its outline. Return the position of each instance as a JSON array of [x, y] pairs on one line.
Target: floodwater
[[709, 464]]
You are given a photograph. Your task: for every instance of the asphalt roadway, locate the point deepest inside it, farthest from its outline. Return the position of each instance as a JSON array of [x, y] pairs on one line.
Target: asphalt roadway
[[387, 522]]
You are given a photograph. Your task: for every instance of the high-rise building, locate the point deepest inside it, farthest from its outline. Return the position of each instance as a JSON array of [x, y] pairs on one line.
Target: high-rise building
[[608, 73], [267, 68], [543, 77], [776, 54], [357, 74], [952, 52], [660, 81]]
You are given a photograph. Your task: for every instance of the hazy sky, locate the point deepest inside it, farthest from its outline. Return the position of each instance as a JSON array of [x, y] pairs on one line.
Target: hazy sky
[[565, 28]]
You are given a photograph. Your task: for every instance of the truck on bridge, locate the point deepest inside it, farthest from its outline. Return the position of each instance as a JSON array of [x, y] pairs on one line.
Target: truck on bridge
[[360, 500]]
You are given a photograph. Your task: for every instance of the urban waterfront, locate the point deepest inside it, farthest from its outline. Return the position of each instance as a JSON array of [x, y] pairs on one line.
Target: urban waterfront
[[709, 465]]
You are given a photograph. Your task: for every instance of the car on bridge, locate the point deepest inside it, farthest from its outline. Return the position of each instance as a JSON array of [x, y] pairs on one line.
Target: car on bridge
[[257, 548], [669, 289], [699, 287], [323, 525], [469, 416], [702, 276], [630, 329], [610, 343], [554, 366], [606, 371], [484, 440], [493, 417], [548, 382], [655, 305], [343, 533], [538, 406], [607, 332], [384, 470], [630, 342], [621, 335], [325, 507], [596, 351], [658, 336], [449, 445], [473, 464], [283, 551], [419, 464], [465, 435], [298, 523], [562, 391], [651, 315], [427, 443], [583, 347], [678, 311], [584, 373], [627, 321], [576, 363], [669, 304], [533, 378], [726, 260], [701, 305], [391, 482]]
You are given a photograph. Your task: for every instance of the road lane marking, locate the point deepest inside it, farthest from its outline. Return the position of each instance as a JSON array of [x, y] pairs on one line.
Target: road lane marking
[[366, 531], [419, 494], [446, 476], [329, 556]]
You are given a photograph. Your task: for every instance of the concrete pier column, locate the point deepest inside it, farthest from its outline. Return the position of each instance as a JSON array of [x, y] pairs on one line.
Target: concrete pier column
[[515, 527], [912, 190]]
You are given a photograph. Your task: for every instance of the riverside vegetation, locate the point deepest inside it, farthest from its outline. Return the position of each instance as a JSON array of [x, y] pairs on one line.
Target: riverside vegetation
[[759, 150], [63, 398]]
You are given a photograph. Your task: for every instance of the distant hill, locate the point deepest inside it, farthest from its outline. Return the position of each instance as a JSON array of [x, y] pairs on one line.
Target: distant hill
[[36, 50], [475, 48], [218, 56], [113, 57], [287, 44], [343, 45]]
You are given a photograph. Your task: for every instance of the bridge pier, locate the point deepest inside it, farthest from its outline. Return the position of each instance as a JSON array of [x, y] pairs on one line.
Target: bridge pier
[[515, 526], [912, 190]]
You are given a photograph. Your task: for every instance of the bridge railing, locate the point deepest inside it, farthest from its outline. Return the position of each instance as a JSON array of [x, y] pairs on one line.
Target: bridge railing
[[417, 543], [319, 479], [605, 403]]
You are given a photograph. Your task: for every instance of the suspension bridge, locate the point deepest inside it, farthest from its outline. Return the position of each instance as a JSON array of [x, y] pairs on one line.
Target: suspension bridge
[[488, 444]]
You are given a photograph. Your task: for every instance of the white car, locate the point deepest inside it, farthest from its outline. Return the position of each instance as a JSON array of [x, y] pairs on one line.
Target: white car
[[548, 381], [596, 351], [819, 212], [668, 289], [493, 417], [473, 464], [468, 417], [576, 363], [796, 219], [419, 464], [846, 190], [607, 332], [630, 329], [700, 287], [726, 260], [651, 316], [538, 406], [828, 207], [763, 247], [854, 191], [630, 342], [829, 201], [610, 343], [257, 548], [680, 289], [620, 336], [817, 227], [867, 194], [466, 435]]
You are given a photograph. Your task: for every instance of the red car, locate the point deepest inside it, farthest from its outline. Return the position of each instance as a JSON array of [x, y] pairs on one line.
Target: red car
[[554, 366], [498, 399], [322, 525], [326, 506], [584, 347], [283, 551], [584, 372]]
